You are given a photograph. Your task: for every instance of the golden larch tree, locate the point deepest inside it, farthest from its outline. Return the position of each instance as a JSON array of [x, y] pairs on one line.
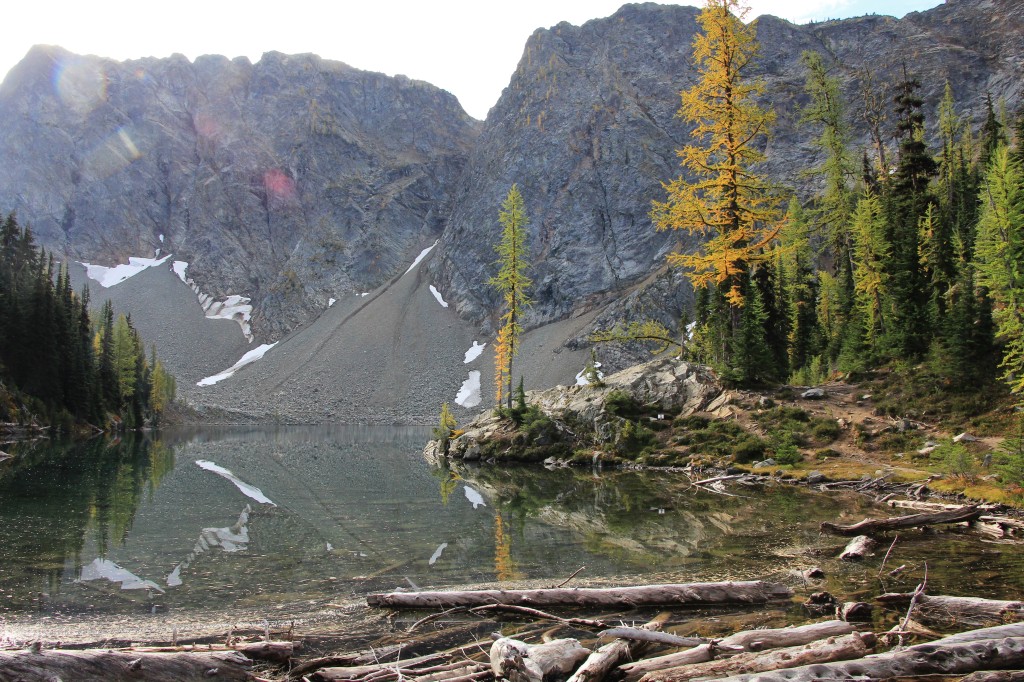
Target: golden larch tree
[[513, 284], [719, 196]]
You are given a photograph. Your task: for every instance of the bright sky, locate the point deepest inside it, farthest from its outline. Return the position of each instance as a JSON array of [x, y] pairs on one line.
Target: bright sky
[[467, 47]]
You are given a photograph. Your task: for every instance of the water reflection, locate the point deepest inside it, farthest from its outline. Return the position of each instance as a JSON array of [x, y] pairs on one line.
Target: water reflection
[[255, 518]]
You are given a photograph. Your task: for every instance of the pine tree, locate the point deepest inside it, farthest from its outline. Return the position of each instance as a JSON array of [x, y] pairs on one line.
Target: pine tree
[[733, 206], [513, 285], [797, 261]]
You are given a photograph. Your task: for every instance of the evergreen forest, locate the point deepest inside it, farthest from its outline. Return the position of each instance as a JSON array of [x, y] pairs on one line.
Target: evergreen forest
[[60, 366]]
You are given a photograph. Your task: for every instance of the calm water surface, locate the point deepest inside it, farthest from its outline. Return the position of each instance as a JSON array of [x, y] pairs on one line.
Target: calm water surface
[[250, 518]]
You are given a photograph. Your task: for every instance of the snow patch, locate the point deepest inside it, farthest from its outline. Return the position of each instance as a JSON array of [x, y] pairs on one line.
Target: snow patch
[[475, 498], [437, 553], [437, 295], [161, 239], [581, 378], [331, 301], [689, 330], [247, 490], [366, 294], [105, 569], [474, 352], [108, 277], [247, 359], [235, 308], [423, 254], [469, 394]]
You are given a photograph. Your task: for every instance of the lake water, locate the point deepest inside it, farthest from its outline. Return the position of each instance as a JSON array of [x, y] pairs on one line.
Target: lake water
[[253, 518]]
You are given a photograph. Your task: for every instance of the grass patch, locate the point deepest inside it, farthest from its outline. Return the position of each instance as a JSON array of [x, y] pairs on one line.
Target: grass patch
[[798, 427]]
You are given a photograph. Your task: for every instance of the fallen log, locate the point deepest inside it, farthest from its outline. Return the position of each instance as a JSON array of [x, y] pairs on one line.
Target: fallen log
[[123, 666], [970, 610], [759, 640], [935, 658], [599, 663], [517, 661], [994, 632], [355, 672], [698, 654], [858, 548], [534, 613], [748, 640], [748, 592], [868, 526], [847, 647]]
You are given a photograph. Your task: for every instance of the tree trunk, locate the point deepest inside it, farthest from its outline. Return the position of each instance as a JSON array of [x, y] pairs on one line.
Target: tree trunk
[[123, 666], [851, 646], [751, 592], [896, 523], [274, 652], [969, 610], [858, 548], [935, 658]]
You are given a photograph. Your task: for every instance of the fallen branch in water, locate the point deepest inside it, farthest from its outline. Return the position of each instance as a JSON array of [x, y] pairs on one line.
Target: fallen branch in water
[[868, 526]]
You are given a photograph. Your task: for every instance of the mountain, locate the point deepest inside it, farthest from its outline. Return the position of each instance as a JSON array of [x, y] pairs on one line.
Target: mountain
[[290, 181], [296, 180]]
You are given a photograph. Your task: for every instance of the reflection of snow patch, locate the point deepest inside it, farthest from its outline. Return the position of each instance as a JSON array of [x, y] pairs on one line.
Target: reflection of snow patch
[[108, 277], [247, 359], [437, 295], [469, 394], [247, 490], [174, 577], [581, 378], [105, 569], [475, 498], [423, 254], [235, 308], [437, 553], [474, 352], [330, 547], [331, 301]]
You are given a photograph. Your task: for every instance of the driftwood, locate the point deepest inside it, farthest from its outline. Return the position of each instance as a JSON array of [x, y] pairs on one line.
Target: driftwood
[[698, 654], [521, 662], [843, 648], [759, 640], [534, 613], [858, 548], [274, 652], [601, 662], [748, 640], [936, 658], [123, 666], [971, 610], [996, 676], [653, 636], [867, 526], [749, 592]]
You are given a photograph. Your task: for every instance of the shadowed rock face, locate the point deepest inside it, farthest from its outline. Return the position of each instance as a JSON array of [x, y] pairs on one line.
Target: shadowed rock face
[[290, 181], [295, 180]]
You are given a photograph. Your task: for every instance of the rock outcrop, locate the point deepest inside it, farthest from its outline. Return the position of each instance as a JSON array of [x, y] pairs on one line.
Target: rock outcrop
[[577, 416]]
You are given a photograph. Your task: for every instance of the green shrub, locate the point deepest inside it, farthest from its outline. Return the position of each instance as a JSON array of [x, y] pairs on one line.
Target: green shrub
[[749, 449], [621, 404], [692, 423], [954, 458], [825, 430]]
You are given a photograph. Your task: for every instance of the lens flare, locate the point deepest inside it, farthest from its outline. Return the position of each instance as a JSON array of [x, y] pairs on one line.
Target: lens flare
[[278, 184], [113, 154], [80, 83]]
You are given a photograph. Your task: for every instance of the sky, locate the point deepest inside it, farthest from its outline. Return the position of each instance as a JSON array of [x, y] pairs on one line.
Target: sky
[[468, 47]]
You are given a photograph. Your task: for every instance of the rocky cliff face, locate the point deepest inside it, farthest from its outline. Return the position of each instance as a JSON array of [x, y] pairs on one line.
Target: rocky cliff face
[[587, 128], [290, 181]]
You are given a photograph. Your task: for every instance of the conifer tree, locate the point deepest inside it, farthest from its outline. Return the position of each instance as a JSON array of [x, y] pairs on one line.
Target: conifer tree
[[999, 254], [797, 261], [513, 285], [735, 208]]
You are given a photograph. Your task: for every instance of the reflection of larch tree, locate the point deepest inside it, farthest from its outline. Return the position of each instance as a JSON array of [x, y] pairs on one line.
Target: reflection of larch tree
[[504, 567]]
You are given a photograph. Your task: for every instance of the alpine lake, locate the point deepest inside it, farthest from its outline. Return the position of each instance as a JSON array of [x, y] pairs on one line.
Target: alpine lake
[[267, 522]]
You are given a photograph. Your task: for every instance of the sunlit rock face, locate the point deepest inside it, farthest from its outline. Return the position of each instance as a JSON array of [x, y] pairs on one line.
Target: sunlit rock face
[[290, 181]]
